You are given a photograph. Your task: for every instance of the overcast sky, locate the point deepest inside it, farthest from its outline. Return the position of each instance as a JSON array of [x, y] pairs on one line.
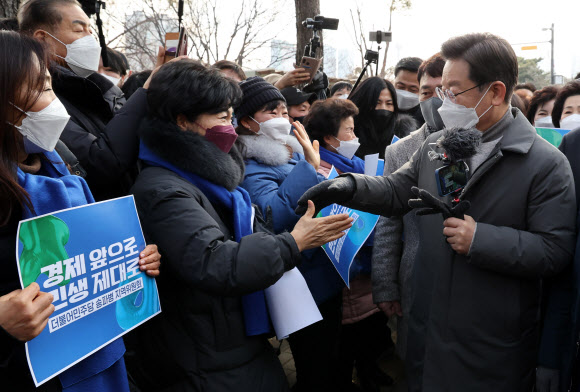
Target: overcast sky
[[421, 30]]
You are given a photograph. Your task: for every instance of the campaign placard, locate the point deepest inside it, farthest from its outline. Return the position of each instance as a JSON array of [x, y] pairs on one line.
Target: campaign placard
[[88, 259], [342, 251], [552, 135]]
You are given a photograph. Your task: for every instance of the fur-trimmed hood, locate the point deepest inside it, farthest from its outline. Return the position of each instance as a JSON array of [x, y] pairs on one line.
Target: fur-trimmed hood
[[405, 124], [267, 150], [193, 153]]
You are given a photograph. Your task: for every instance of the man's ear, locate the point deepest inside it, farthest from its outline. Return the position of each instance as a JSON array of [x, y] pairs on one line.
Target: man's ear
[[40, 35], [499, 90]]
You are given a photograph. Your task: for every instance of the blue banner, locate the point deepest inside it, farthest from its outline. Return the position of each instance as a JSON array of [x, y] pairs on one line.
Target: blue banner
[[343, 251], [552, 135], [88, 259]]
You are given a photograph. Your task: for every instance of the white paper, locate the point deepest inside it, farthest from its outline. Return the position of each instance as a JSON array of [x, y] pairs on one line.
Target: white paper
[[371, 164], [290, 304]]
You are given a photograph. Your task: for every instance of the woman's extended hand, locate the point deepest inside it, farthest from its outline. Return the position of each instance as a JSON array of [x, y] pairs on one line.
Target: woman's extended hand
[[150, 260], [311, 232], [311, 150], [24, 313]]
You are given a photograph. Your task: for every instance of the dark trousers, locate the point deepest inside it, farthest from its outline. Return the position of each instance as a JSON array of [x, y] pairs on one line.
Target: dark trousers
[[361, 345], [315, 350]]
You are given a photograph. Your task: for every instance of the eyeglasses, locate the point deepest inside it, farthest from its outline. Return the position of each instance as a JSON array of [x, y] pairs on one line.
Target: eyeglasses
[[449, 94]]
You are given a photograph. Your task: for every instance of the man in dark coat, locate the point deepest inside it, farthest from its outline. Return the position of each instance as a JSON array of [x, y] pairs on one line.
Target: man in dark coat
[[557, 365], [100, 134], [474, 320]]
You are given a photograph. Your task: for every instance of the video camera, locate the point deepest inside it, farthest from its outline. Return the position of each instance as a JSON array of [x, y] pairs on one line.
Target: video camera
[[321, 23], [372, 56], [92, 7], [317, 24]]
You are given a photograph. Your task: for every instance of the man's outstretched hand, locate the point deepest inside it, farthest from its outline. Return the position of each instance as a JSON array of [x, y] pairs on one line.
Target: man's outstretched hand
[[338, 190]]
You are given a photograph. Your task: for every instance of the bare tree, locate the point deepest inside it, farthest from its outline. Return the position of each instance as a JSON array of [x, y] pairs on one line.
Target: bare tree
[[139, 33], [359, 36], [304, 9], [9, 8], [280, 52], [211, 39], [255, 23], [395, 5]]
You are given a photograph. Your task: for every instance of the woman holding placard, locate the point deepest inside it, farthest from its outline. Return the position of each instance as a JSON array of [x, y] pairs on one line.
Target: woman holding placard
[[35, 181]]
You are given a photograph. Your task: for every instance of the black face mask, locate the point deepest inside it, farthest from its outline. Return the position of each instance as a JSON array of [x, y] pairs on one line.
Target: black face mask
[[300, 119], [431, 114], [381, 118]]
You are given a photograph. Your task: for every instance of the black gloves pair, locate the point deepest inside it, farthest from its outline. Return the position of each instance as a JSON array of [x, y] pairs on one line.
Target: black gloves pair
[[341, 190], [427, 204]]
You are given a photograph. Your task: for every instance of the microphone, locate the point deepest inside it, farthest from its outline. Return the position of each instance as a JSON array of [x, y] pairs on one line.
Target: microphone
[[459, 144]]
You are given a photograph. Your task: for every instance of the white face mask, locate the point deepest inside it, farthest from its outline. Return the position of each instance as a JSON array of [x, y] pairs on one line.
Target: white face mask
[[41, 130], [277, 128], [407, 100], [112, 79], [82, 56], [544, 122], [343, 96], [570, 122], [455, 115], [347, 148]]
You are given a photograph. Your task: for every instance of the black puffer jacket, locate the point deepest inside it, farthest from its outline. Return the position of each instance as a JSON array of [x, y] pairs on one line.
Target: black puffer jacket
[[102, 131], [198, 343]]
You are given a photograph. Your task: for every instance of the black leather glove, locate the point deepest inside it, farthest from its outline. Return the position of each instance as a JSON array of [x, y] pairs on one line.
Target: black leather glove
[[547, 380], [318, 85], [428, 204], [337, 190]]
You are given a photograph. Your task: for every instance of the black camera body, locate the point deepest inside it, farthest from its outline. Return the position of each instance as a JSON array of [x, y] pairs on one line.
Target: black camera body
[[372, 56], [321, 23], [92, 7]]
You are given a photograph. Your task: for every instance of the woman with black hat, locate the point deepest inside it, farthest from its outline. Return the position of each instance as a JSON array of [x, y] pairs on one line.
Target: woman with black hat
[[279, 169], [298, 102]]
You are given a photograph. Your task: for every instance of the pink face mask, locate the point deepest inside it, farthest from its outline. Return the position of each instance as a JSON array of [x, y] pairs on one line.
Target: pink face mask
[[223, 136]]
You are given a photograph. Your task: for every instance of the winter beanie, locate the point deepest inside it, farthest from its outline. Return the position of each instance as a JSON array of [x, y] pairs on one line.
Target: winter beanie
[[257, 92]]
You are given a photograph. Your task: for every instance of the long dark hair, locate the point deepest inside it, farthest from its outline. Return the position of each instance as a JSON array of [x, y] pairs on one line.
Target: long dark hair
[[367, 94], [365, 97], [23, 62]]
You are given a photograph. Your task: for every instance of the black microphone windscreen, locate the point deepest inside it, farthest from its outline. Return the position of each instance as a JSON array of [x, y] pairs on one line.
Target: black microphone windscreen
[[460, 143]]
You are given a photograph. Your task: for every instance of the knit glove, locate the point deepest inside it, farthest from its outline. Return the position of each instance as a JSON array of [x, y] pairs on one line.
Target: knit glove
[[427, 204], [318, 85]]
